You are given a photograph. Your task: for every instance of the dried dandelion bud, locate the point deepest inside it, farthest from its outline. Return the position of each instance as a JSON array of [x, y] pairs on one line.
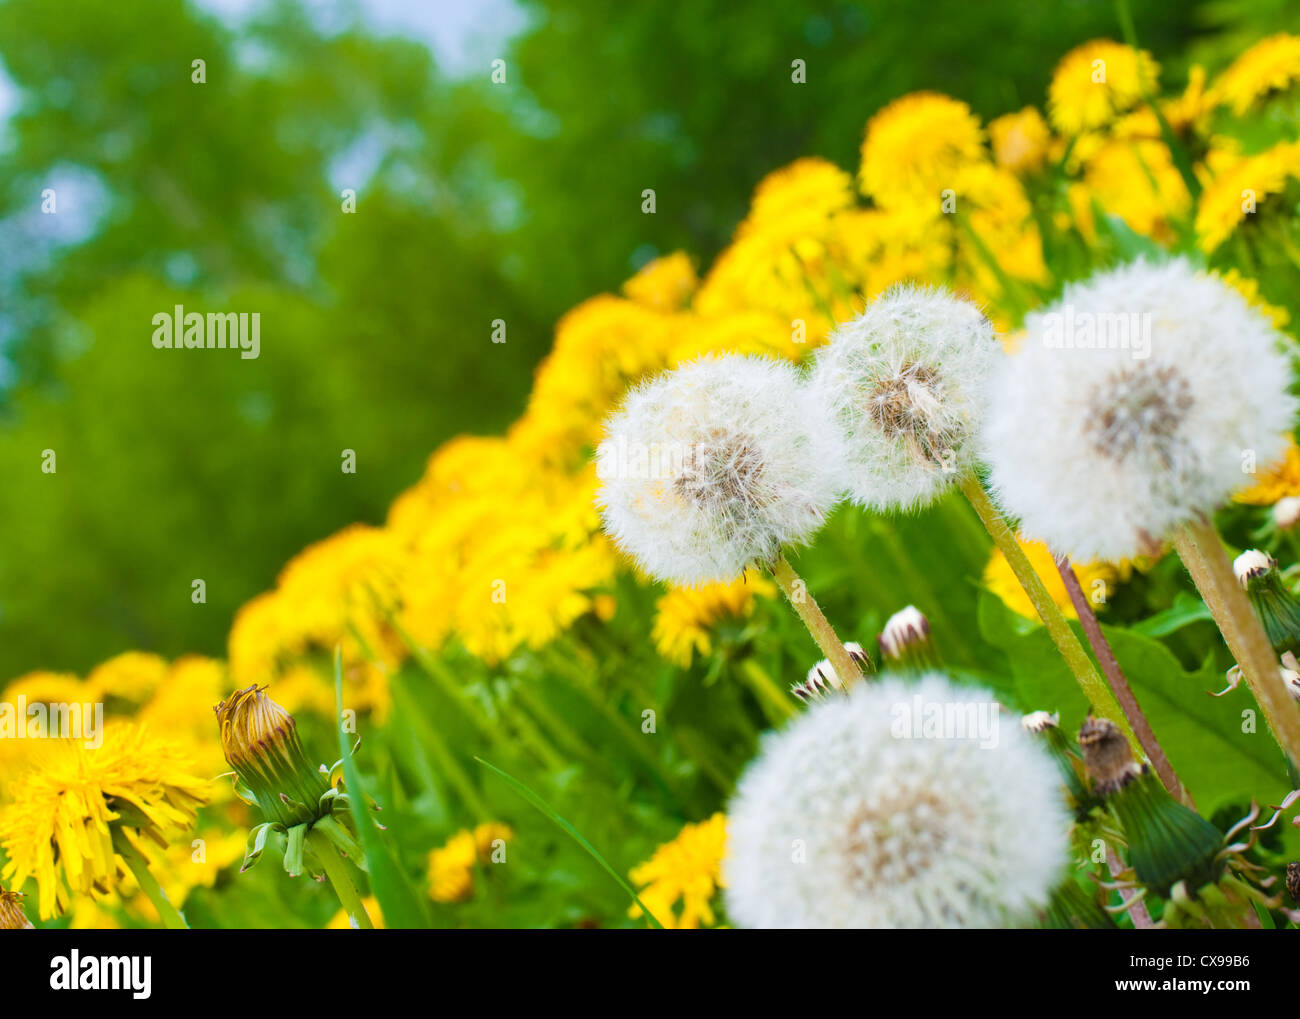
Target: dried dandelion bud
[[1168, 842], [12, 917]]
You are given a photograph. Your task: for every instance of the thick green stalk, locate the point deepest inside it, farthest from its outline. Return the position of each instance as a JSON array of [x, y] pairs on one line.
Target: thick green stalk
[[1202, 553], [336, 870], [139, 868], [1099, 696], [796, 591]]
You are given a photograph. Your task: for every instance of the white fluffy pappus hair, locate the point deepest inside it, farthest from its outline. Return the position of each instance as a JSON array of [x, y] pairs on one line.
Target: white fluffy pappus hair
[[1133, 405], [713, 467], [841, 822], [903, 387]]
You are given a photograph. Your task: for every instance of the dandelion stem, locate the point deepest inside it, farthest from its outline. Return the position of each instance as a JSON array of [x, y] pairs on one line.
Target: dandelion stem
[[1101, 649], [822, 631], [1100, 698], [1202, 553], [139, 868], [336, 870]]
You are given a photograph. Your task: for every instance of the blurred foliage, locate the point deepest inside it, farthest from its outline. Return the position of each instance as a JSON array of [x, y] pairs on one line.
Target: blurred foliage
[[486, 202]]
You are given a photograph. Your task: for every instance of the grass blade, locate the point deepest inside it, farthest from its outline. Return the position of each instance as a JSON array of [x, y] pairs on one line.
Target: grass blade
[[573, 833]]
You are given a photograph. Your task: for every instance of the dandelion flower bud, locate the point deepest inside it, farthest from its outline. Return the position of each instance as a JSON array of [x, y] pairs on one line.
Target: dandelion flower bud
[[1286, 512], [822, 678], [1293, 881], [713, 467], [12, 917], [1040, 721], [1129, 408], [1276, 606], [308, 805], [260, 741], [1252, 565], [850, 817], [906, 635], [902, 384]]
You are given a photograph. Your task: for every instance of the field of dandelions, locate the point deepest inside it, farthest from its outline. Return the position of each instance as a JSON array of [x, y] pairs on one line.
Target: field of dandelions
[[640, 661]]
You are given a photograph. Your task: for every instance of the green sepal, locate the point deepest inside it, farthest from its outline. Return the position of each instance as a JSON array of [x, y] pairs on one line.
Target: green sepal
[[293, 862], [256, 844], [342, 840]]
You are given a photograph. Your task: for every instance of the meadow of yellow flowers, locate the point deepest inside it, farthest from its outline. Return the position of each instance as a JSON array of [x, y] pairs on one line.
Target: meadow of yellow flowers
[[490, 618]]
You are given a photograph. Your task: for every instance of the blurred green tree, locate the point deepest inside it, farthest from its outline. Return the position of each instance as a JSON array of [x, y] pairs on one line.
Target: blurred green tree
[[474, 201]]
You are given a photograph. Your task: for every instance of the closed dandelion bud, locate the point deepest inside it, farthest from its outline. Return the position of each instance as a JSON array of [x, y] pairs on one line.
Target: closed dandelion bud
[[1292, 680], [1277, 608], [1168, 842], [1286, 512], [906, 638], [1046, 726], [260, 741], [12, 917], [822, 678], [1293, 881], [303, 803]]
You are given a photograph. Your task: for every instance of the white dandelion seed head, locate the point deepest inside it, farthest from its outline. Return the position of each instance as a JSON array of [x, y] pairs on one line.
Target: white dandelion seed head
[[1132, 406], [712, 467], [903, 385], [841, 823]]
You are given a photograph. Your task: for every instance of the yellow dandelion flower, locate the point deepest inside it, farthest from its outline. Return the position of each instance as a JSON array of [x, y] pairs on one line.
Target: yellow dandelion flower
[[181, 707], [1277, 481], [914, 147], [1095, 579], [131, 676], [451, 867], [1097, 81], [665, 284], [685, 617], [778, 261], [342, 922], [1191, 110], [1020, 141], [1270, 65], [1234, 185], [687, 870], [335, 592], [1137, 181], [60, 826], [1249, 289], [1001, 216]]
